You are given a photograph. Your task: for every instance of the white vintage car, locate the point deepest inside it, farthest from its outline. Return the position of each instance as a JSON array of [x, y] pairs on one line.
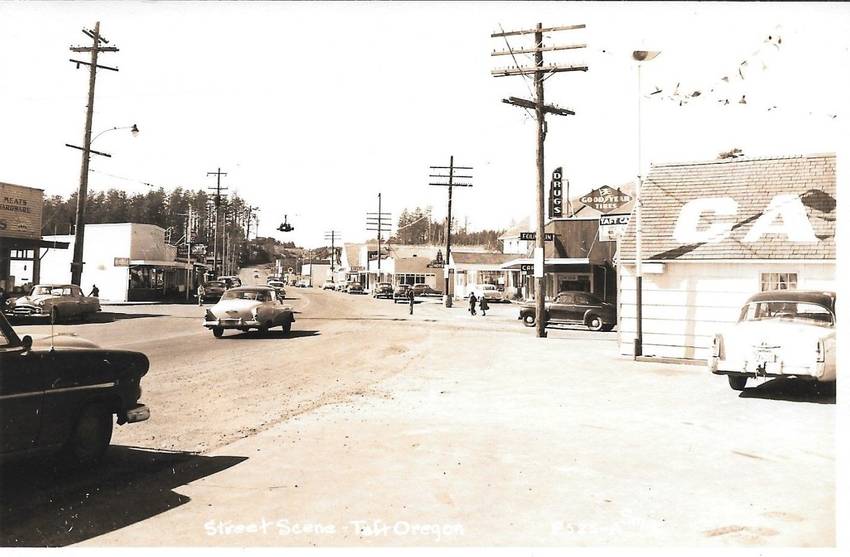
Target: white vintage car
[[249, 307], [54, 301], [780, 333]]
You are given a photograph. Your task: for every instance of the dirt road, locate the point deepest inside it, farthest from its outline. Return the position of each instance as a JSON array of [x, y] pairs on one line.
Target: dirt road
[[366, 418]]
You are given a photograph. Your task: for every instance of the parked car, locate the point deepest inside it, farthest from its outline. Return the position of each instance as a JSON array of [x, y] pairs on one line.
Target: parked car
[[488, 291], [574, 308], [425, 290], [231, 281], [54, 301], [270, 278], [382, 290], [779, 333], [400, 293], [329, 285], [302, 283], [342, 286], [59, 394], [355, 288], [279, 288], [214, 289], [249, 307]]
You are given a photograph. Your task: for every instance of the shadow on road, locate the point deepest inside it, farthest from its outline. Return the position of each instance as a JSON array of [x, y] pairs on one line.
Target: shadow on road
[[793, 390], [100, 317], [44, 505], [295, 333]]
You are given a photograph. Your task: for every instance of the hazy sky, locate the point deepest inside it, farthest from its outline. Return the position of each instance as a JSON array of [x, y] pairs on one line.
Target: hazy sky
[[314, 108]]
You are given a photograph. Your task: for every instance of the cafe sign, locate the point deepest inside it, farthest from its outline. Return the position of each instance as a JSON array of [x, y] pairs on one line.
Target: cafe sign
[[605, 199]]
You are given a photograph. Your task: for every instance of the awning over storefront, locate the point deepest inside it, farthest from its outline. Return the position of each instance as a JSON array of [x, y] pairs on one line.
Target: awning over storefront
[[32, 243], [160, 264], [515, 264]]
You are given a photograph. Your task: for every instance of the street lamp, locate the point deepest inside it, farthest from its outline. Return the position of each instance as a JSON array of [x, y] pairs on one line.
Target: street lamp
[[79, 230], [640, 56]]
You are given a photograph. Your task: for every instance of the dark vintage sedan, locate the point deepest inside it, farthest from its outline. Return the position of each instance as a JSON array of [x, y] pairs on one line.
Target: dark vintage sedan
[[214, 289], [574, 308], [61, 393], [400, 293], [382, 290]]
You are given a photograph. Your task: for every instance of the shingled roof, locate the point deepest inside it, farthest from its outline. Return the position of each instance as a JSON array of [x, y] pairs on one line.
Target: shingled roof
[[752, 183], [480, 258]]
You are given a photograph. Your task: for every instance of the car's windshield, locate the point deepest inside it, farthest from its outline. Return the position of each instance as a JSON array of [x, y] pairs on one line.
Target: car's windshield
[[258, 295], [802, 312], [216, 284], [488, 287]]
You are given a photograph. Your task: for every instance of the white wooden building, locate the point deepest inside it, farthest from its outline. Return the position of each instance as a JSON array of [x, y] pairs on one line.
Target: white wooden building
[[716, 232]]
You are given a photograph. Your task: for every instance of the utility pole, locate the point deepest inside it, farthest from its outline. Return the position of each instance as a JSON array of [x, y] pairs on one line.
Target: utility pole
[[190, 224], [451, 184], [82, 194], [377, 222], [217, 201], [333, 236], [540, 73]]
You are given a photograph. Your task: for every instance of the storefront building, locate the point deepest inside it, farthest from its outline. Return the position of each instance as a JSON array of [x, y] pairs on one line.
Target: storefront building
[[127, 262], [717, 232], [21, 245], [472, 269]]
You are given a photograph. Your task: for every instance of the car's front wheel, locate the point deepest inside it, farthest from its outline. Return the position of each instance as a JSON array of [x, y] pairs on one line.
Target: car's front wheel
[[737, 382], [91, 435], [218, 332], [594, 323], [286, 326], [528, 320]]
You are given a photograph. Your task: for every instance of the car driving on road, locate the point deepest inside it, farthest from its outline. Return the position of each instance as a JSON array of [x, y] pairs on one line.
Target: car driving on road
[[779, 333], [355, 288], [383, 290], [279, 288], [249, 307], [54, 301], [422, 289], [488, 291], [574, 308], [400, 293], [214, 289], [59, 393], [329, 285]]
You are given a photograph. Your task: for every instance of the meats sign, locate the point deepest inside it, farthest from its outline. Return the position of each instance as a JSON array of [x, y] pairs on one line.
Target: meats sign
[[20, 211], [605, 199]]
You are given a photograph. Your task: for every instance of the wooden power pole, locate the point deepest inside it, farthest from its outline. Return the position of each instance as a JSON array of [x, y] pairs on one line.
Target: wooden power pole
[[450, 184], [217, 202], [380, 222], [540, 73], [82, 194]]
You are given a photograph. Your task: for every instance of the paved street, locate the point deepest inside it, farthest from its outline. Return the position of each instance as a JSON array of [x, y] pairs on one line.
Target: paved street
[[369, 426]]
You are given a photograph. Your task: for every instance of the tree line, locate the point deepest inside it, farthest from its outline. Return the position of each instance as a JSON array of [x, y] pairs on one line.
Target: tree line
[[416, 227]]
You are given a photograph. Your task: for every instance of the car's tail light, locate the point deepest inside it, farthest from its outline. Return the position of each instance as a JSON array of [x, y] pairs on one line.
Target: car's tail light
[[820, 352], [717, 346]]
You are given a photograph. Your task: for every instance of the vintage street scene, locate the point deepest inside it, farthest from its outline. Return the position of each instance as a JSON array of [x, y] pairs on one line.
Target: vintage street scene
[[445, 275]]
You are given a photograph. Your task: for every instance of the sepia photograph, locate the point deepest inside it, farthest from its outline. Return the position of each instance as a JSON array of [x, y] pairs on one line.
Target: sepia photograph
[[423, 276]]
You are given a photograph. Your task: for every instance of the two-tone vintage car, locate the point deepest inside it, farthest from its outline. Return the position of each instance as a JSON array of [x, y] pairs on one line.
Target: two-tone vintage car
[[249, 307], [574, 308], [279, 287], [779, 333], [56, 302], [60, 393]]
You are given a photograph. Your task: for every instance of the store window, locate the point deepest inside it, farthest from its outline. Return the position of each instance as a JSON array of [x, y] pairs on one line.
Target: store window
[[778, 281], [410, 278]]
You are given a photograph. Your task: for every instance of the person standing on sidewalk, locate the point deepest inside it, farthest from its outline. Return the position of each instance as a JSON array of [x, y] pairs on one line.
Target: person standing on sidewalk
[[95, 291], [410, 296], [201, 293], [472, 301], [482, 303]]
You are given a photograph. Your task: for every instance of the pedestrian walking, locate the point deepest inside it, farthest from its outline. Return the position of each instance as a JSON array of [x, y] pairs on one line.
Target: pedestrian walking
[[482, 303], [201, 293], [472, 300], [95, 291], [410, 296]]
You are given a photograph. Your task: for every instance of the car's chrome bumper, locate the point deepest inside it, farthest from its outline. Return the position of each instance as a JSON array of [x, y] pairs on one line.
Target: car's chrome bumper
[[27, 311], [752, 368], [231, 323]]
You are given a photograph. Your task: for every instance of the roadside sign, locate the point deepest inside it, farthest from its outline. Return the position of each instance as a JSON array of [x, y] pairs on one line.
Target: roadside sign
[[527, 268], [538, 263], [121, 262], [612, 226], [605, 199], [556, 195], [289, 270], [531, 236]]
